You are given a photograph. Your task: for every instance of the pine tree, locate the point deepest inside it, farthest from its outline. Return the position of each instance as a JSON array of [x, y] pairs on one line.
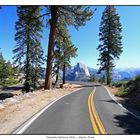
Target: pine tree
[[3, 73], [28, 51], [7, 72], [64, 50], [9, 69], [72, 15], [102, 79], [92, 78], [110, 38], [69, 52], [57, 58]]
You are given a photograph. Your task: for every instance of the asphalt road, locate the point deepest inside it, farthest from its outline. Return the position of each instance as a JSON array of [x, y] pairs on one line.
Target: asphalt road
[[79, 113], [69, 115], [115, 119]]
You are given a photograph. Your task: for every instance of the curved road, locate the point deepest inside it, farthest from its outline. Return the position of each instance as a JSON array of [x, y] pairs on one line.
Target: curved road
[[87, 111]]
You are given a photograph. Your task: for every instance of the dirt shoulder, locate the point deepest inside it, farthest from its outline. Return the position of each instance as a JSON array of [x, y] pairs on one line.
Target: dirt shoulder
[[15, 111], [114, 90], [130, 103]]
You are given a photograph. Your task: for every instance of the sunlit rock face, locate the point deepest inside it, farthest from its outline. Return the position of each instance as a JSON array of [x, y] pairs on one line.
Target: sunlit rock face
[[79, 72]]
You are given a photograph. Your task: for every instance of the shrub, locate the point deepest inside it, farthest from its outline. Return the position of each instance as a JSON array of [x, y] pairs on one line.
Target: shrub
[[123, 92], [9, 82], [131, 87], [120, 83], [135, 85]]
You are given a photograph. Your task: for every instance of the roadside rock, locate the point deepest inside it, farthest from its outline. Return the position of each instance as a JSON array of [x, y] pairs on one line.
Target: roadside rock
[[1, 106]]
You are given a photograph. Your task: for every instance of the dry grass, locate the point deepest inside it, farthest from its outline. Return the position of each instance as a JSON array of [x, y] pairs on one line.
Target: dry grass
[[113, 90]]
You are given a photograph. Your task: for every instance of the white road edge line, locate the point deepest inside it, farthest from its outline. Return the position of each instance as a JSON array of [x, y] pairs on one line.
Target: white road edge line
[[121, 104], [28, 123]]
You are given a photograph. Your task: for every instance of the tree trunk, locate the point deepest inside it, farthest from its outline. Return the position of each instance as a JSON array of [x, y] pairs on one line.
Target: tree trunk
[[64, 74], [108, 68], [108, 76], [54, 18], [27, 78], [57, 75]]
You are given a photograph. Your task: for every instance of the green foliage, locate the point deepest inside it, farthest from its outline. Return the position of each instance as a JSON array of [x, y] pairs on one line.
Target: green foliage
[[119, 84], [64, 49], [3, 73], [110, 38], [122, 92], [92, 78], [75, 15], [28, 51], [130, 88], [102, 79], [134, 86], [124, 88], [70, 15], [7, 73], [9, 82]]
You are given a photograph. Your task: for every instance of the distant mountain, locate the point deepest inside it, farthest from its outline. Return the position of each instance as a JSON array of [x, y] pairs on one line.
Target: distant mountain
[[81, 72], [125, 74]]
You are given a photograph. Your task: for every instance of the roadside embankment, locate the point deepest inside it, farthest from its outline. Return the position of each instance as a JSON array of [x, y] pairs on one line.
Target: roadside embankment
[[132, 103], [113, 90]]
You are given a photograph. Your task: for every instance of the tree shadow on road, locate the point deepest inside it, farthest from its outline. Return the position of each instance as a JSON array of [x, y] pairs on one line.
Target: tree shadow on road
[[110, 101], [128, 122]]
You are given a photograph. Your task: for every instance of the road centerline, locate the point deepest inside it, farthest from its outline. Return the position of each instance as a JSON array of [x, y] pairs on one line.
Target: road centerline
[[94, 117], [98, 120], [95, 129]]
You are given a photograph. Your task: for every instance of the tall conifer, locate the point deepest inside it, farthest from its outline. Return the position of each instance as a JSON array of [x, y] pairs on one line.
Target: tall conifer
[[28, 51], [64, 49], [72, 15], [110, 38]]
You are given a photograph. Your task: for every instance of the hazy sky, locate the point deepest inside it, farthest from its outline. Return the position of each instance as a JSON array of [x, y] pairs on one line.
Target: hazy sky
[[86, 38]]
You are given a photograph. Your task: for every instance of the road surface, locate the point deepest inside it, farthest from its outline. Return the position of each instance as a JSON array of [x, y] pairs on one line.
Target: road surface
[[90, 110]]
